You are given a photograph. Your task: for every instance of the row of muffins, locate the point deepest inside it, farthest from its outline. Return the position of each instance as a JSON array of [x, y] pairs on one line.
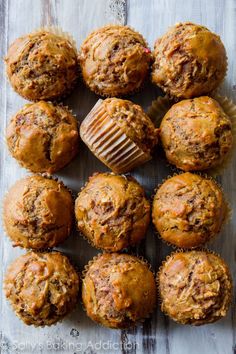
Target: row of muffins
[[196, 135], [188, 61], [112, 211], [119, 290]]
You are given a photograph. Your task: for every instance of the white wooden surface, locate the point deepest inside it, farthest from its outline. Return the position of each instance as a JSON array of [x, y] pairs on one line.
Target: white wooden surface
[[77, 334]]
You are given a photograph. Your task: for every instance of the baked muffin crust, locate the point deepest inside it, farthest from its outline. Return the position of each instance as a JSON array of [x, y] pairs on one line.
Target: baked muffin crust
[[114, 60], [189, 61], [43, 137], [112, 211], [195, 287], [118, 290], [188, 210], [41, 287], [42, 66], [133, 121], [196, 134], [38, 213]]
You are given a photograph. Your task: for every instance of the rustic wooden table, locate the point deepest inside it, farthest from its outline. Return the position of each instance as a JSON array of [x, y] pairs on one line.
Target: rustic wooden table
[[78, 334]]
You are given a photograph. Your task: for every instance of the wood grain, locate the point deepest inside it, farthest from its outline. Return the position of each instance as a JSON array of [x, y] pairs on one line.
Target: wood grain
[[78, 334]]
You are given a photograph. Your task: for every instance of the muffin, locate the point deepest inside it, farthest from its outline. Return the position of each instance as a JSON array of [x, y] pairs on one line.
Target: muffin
[[189, 61], [119, 133], [188, 210], [42, 66], [118, 290], [195, 287], [38, 212], [114, 60], [41, 287], [196, 134], [112, 211], [43, 137]]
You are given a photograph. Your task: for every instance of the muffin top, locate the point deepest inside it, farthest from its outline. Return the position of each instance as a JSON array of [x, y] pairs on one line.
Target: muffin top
[[42, 287], [43, 137], [114, 60], [112, 211], [38, 212], [42, 66], [133, 121], [118, 290], [196, 134], [188, 210], [189, 61], [195, 287]]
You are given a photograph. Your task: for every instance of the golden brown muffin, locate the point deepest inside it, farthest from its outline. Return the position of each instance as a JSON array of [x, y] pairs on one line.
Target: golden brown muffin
[[188, 210], [196, 134], [195, 287], [43, 137], [38, 212], [118, 290], [189, 61], [119, 133], [114, 60], [42, 66], [41, 287], [112, 211]]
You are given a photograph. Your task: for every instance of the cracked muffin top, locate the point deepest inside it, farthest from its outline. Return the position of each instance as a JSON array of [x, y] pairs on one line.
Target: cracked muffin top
[[43, 137], [41, 287], [118, 290], [114, 60], [196, 134], [38, 212], [112, 211], [42, 66], [189, 61], [188, 210], [195, 287]]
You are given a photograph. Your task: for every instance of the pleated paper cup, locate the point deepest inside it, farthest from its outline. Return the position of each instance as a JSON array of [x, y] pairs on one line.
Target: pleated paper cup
[[109, 143]]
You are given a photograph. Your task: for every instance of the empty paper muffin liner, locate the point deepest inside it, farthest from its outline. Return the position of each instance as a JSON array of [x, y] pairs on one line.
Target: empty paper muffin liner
[[161, 105], [109, 143]]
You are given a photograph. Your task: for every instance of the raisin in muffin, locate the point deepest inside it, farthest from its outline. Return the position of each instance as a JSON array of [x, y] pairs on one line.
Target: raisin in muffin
[[119, 133], [112, 211], [188, 210], [196, 134], [43, 137], [42, 66], [41, 287], [38, 212], [118, 290], [189, 61], [195, 287], [114, 60]]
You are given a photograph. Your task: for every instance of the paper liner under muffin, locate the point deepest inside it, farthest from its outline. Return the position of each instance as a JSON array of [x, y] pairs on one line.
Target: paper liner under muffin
[[63, 317], [85, 270], [227, 216], [161, 106], [45, 249], [109, 143], [181, 250]]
